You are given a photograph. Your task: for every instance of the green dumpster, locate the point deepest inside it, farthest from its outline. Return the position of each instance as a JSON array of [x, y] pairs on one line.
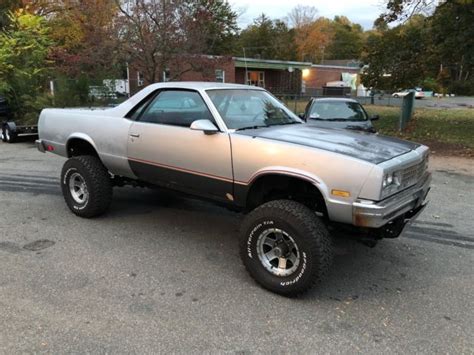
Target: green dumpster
[[408, 104]]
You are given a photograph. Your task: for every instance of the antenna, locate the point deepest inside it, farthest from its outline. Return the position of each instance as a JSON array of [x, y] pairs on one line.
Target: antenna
[[246, 68]]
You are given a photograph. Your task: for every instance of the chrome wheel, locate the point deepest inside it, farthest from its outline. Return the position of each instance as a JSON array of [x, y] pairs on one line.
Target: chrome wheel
[[7, 135], [278, 252], [78, 188]]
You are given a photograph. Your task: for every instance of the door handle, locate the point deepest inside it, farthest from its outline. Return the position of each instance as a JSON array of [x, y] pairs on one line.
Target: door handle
[[134, 135]]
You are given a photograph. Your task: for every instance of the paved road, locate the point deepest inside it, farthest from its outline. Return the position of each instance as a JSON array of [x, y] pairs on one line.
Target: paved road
[[161, 273]]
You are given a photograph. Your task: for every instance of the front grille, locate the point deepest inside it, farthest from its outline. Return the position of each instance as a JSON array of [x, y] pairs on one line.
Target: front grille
[[412, 174]]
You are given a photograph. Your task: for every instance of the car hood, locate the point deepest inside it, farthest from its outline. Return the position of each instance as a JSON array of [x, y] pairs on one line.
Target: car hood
[[369, 147], [356, 125]]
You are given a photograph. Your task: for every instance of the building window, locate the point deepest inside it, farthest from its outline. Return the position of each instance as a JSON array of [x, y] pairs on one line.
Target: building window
[[220, 76], [256, 78], [140, 80]]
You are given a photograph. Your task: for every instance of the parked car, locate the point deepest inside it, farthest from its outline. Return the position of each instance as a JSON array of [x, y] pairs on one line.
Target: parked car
[[240, 147], [338, 113], [418, 94]]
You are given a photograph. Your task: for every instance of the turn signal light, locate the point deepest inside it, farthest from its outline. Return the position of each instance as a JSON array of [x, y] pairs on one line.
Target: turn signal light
[[341, 193]]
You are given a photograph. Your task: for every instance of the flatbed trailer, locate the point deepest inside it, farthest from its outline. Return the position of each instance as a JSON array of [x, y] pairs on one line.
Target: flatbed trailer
[[11, 130]]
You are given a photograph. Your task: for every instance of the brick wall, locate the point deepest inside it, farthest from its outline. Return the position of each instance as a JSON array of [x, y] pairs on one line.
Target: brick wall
[[209, 72], [276, 80], [318, 77]]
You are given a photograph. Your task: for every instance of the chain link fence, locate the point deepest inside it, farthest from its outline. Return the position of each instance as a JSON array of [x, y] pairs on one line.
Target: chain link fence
[[297, 102]]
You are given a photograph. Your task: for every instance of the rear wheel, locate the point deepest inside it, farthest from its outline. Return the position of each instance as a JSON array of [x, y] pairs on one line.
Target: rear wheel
[[10, 136], [2, 133], [86, 186], [285, 247]]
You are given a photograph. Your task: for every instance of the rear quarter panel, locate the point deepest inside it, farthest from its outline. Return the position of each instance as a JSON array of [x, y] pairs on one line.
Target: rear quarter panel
[[106, 132]]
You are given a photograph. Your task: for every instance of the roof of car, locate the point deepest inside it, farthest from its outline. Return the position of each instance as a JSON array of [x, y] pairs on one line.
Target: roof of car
[[201, 85], [125, 107], [334, 99]]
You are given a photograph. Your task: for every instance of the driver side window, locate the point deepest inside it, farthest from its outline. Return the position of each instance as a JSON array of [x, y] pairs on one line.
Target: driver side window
[[176, 108]]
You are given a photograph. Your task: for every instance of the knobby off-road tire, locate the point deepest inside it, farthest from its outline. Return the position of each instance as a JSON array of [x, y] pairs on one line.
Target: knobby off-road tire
[[86, 186], [302, 234]]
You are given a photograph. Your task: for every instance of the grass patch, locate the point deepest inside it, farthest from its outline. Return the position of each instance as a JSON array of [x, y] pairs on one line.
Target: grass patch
[[450, 130]]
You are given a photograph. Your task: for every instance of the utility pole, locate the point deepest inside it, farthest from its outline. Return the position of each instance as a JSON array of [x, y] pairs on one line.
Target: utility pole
[[246, 68]]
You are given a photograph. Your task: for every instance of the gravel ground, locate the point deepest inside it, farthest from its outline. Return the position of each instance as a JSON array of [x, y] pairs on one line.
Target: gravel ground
[[162, 273]]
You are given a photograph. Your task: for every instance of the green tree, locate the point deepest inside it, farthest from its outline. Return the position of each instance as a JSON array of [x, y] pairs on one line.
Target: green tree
[[24, 66], [403, 10], [6, 7], [452, 43], [397, 57], [347, 40], [218, 23], [268, 39]]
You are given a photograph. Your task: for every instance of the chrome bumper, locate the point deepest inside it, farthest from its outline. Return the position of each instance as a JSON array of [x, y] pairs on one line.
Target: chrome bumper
[[40, 145], [409, 203]]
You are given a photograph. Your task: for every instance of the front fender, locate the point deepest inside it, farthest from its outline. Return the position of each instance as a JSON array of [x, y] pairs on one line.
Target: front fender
[[298, 173]]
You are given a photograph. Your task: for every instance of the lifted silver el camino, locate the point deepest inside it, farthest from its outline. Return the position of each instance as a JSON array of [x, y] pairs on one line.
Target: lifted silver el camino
[[239, 146]]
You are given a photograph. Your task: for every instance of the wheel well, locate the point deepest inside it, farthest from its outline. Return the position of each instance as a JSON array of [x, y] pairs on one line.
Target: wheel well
[[78, 146], [275, 187]]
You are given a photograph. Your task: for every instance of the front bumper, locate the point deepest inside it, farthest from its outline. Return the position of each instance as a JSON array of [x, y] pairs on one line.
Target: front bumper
[[408, 203]]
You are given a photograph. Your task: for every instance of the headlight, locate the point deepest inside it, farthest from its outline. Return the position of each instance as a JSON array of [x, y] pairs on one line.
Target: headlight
[[391, 179], [391, 183]]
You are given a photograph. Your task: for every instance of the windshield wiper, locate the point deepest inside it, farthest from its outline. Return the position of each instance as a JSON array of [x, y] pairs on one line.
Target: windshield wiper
[[249, 127], [284, 123], [333, 119]]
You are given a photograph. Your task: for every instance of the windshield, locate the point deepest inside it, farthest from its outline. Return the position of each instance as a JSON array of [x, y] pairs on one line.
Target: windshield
[[337, 111], [245, 109]]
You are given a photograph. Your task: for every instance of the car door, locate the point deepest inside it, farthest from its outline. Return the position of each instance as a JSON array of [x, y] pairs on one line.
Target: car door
[[163, 150]]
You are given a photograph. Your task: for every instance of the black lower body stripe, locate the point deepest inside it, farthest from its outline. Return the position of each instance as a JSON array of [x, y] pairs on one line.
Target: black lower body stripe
[[194, 184]]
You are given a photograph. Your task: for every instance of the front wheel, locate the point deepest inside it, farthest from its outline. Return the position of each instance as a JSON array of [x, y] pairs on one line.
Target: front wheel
[[285, 247], [86, 186]]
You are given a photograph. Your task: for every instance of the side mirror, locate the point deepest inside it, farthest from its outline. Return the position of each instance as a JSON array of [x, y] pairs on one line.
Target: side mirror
[[374, 117], [204, 125]]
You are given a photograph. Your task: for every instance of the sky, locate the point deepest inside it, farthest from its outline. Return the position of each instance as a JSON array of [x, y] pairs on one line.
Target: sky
[[363, 12]]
